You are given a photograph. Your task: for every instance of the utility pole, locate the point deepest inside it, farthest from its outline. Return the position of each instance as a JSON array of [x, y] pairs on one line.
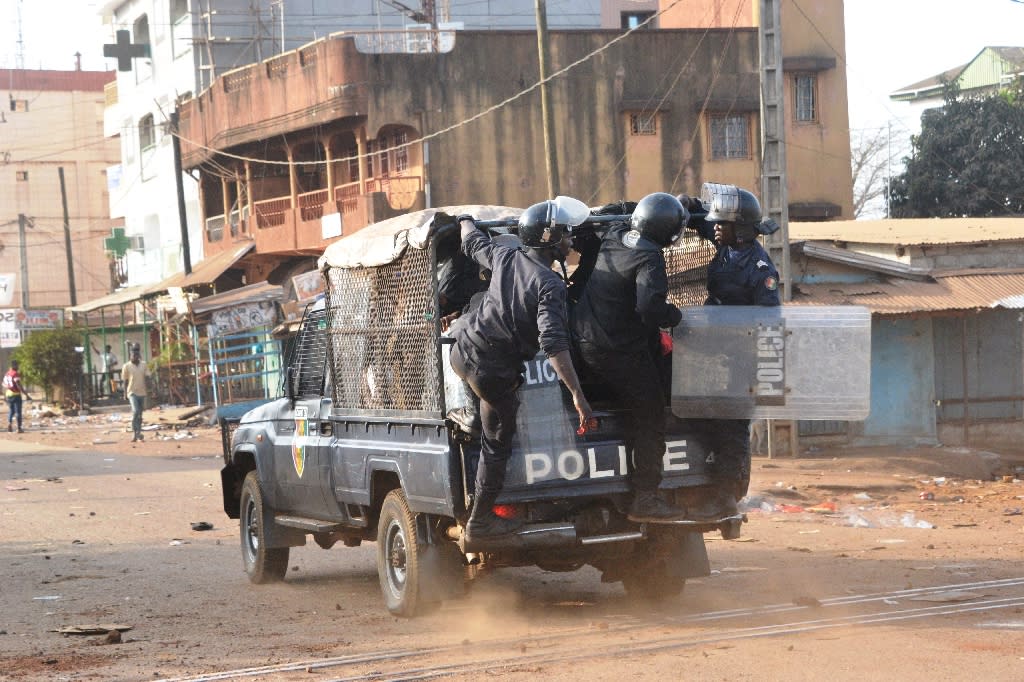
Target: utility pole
[[67, 237], [23, 248], [551, 158], [179, 185], [774, 196]]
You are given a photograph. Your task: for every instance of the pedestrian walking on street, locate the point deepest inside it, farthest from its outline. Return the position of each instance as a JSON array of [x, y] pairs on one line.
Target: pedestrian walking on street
[[133, 375], [14, 392]]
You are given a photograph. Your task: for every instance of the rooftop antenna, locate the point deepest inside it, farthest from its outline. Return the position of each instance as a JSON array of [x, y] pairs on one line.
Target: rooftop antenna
[[19, 57]]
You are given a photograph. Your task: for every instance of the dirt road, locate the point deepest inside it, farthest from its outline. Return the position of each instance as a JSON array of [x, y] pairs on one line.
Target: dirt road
[[855, 565]]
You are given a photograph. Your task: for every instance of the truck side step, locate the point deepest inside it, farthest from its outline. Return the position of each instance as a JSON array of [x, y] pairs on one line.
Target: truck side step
[[311, 525]]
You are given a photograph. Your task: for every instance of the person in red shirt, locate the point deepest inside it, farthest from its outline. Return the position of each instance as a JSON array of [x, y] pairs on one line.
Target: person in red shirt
[[14, 392]]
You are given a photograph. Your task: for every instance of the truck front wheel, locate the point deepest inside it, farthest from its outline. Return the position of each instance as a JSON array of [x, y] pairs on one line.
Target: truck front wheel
[[261, 563], [398, 558]]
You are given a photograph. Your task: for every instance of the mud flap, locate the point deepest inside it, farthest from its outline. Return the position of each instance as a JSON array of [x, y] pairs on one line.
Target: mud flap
[[442, 571], [683, 551]]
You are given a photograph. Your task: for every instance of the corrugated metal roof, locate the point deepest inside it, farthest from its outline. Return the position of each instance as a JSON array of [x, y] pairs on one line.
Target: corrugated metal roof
[[206, 271], [118, 298], [897, 296], [910, 231], [261, 291]]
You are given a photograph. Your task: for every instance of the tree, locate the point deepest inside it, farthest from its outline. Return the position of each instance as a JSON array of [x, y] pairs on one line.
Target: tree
[[48, 358], [967, 161], [872, 158]]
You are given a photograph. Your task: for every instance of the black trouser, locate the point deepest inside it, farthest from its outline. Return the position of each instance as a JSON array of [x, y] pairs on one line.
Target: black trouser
[[729, 439], [499, 403], [633, 378]]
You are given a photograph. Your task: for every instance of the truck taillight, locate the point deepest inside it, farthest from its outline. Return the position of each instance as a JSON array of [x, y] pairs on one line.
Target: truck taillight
[[506, 511]]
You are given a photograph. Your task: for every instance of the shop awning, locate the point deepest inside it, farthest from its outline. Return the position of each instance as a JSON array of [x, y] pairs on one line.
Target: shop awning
[[253, 293], [119, 297], [206, 271]]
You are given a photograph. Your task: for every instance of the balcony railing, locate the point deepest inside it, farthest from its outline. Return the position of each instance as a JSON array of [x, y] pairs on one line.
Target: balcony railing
[[311, 204], [271, 212], [215, 228], [346, 196]]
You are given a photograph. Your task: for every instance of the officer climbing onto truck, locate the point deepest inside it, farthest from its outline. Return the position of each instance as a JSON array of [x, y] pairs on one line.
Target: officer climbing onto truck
[[616, 323], [741, 273], [523, 311]]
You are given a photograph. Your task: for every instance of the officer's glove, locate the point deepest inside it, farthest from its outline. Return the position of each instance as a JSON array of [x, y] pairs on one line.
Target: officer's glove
[[442, 219], [691, 204]]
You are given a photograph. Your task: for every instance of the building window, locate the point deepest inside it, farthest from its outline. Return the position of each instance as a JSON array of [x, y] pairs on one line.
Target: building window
[[643, 124], [353, 164], [805, 89], [634, 19], [140, 33], [147, 132], [18, 104], [21, 176], [730, 136], [181, 30], [179, 8], [401, 152]]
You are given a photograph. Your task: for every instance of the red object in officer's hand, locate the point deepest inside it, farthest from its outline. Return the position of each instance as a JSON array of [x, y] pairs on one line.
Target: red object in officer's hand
[[590, 425], [666, 342]]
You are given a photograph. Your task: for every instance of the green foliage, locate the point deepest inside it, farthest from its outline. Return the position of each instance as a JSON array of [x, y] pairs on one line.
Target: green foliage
[[174, 352], [48, 359], [967, 161]]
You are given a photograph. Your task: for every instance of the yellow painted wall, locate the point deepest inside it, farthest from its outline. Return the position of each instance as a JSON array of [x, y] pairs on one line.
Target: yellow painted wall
[[817, 154]]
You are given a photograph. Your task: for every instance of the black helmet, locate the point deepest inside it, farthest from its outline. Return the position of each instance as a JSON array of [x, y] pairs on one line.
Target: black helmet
[[731, 204], [539, 226], [659, 217]]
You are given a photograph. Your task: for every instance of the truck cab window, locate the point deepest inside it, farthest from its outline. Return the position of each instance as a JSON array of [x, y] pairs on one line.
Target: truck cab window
[[310, 354]]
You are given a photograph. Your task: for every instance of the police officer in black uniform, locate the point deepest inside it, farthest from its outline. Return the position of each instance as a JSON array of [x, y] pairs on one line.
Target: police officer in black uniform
[[523, 311], [741, 273], [617, 321]]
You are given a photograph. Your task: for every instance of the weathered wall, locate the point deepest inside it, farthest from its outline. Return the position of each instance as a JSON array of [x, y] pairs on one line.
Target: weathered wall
[[902, 383], [499, 157]]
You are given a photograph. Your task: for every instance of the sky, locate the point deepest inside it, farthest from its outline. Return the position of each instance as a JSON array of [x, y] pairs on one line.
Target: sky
[[889, 43]]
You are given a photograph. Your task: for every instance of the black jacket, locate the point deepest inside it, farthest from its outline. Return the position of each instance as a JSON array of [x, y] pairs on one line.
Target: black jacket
[[522, 312], [624, 301]]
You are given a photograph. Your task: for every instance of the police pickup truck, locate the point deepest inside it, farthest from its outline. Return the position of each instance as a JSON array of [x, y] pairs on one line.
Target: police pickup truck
[[360, 447]]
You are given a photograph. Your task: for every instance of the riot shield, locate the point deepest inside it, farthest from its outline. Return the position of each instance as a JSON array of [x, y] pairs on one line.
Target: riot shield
[[789, 362]]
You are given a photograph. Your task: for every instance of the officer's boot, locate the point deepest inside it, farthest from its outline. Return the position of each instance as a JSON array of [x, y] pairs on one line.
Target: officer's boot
[[467, 419], [719, 503], [648, 507], [485, 524]]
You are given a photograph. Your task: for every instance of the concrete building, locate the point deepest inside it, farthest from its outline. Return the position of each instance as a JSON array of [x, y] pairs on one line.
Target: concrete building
[[819, 179], [187, 44], [52, 120], [991, 69]]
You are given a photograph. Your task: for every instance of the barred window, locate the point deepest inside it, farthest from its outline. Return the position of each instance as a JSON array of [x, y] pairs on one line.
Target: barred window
[[147, 132], [805, 91], [401, 152], [730, 136], [643, 124]]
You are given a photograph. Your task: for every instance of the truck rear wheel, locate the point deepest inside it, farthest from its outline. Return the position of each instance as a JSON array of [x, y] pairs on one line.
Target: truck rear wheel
[[398, 559], [261, 563], [650, 580]]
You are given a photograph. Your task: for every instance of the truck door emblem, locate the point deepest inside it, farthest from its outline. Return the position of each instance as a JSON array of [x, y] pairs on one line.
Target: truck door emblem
[[299, 440]]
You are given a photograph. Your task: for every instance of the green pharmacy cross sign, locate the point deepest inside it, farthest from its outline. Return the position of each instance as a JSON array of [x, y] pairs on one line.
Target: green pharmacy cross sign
[[124, 50], [117, 244]]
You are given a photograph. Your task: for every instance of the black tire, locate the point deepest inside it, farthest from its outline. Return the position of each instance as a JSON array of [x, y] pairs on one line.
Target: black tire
[[650, 581], [398, 559], [262, 564]]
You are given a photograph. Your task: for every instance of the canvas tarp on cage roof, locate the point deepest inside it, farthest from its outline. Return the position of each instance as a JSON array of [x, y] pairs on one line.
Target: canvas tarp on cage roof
[[384, 242]]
